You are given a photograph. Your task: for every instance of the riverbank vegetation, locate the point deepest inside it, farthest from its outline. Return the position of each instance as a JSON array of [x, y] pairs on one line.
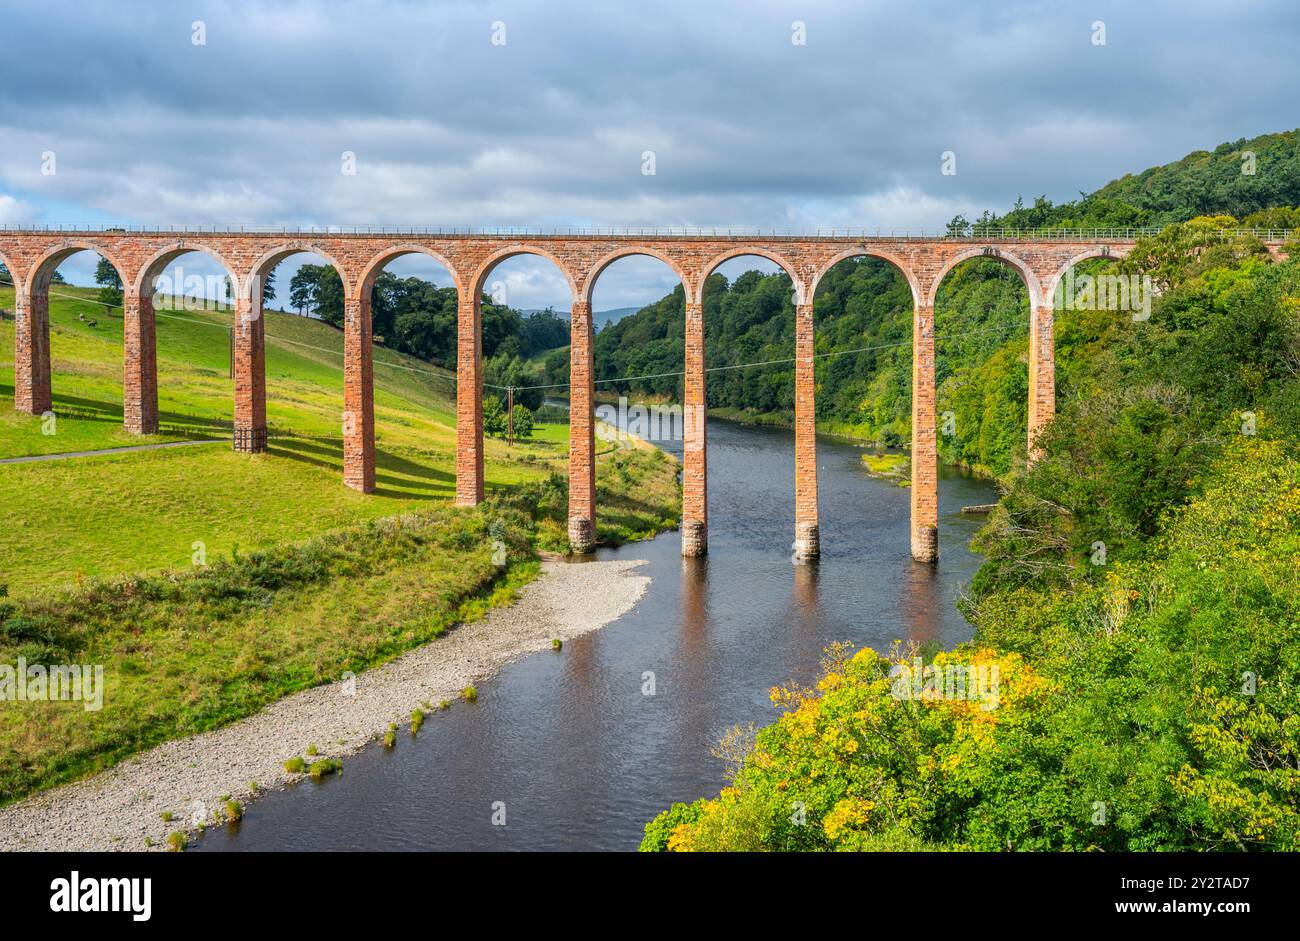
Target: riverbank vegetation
[[1140, 600], [185, 651]]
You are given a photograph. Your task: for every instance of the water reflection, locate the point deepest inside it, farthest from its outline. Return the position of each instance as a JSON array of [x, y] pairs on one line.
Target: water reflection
[[921, 604]]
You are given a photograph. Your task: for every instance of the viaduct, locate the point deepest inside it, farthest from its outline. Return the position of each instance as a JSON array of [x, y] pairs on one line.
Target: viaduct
[[1041, 259]]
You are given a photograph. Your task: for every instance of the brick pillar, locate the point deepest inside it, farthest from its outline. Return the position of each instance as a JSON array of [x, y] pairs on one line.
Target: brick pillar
[[807, 538], [582, 439], [358, 397], [140, 364], [469, 402], [1042, 375], [925, 450], [250, 376], [695, 478], [31, 351]]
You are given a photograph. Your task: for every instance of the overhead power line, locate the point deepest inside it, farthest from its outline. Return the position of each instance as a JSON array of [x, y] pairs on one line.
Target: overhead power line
[[783, 361]]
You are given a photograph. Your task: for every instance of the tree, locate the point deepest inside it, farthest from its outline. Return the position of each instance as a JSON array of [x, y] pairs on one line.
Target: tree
[[302, 288], [496, 418], [268, 287], [110, 291], [318, 288], [504, 370], [329, 296]]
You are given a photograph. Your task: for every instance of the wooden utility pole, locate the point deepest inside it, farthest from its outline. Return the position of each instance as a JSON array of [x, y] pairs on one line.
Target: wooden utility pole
[[510, 416]]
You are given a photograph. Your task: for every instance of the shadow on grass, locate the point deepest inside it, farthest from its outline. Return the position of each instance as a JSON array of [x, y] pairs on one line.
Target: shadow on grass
[[327, 453], [95, 410]]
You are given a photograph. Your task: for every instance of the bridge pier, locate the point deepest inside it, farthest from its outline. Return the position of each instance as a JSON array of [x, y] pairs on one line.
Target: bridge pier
[[358, 396], [250, 376], [139, 364], [31, 351], [582, 427], [469, 400], [807, 534], [1042, 376], [695, 476], [925, 449]]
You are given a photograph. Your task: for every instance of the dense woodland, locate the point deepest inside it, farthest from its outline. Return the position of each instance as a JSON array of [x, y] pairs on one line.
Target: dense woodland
[[1140, 594]]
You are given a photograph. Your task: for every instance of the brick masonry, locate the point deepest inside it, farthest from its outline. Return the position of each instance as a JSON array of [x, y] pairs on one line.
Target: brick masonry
[[359, 397], [32, 257], [140, 364], [582, 438], [807, 535], [1042, 375], [250, 377], [925, 453], [469, 403], [695, 460]]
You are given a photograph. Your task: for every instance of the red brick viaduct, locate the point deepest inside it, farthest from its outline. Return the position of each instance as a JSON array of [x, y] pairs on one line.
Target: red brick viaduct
[[33, 255]]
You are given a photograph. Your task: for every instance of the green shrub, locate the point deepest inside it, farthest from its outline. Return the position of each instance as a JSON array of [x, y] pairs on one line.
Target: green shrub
[[324, 767]]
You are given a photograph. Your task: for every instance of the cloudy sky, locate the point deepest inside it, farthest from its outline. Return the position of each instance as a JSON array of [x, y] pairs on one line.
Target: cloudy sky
[[797, 114]]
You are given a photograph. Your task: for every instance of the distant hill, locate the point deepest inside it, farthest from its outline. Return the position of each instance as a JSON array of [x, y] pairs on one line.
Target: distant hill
[[598, 317], [613, 315]]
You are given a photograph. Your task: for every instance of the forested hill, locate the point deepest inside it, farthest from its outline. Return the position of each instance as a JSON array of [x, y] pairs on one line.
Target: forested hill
[[1138, 595], [1242, 178], [863, 317]]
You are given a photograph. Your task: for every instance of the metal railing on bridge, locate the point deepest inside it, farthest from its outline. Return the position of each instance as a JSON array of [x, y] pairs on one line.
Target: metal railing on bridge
[[972, 233]]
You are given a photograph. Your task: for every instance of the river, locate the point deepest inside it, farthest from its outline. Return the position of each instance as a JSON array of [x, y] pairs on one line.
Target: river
[[569, 746]]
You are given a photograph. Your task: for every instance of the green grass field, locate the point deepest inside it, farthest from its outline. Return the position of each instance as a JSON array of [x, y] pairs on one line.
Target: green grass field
[[146, 511]]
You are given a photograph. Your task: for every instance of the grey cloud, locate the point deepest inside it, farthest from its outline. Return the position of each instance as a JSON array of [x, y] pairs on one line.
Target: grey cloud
[[747, 129]]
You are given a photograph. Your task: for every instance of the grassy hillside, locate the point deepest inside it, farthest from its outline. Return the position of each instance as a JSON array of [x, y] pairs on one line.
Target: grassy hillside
[[145, 511], [195, 393]]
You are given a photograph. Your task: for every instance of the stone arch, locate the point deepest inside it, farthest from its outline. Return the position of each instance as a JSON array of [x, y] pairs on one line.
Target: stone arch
[[159, 261], [999, 254], [270, 259], [593, 275], [485, 269], [375, 265], [801, 295], [1099, 251], [49, 262], [898, 263]]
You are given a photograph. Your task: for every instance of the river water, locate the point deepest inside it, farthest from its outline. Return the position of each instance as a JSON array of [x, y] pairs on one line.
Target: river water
[[570, 745]]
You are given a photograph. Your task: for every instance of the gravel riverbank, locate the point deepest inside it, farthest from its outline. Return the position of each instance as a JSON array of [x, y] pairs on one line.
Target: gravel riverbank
[[189, 779]]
